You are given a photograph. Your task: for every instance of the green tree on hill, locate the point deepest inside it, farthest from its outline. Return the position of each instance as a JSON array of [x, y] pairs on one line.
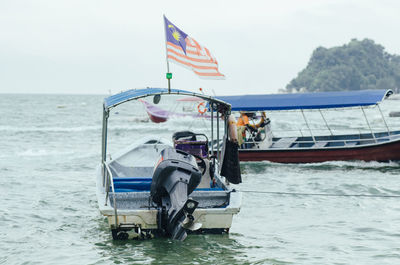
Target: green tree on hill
[[354, 66]]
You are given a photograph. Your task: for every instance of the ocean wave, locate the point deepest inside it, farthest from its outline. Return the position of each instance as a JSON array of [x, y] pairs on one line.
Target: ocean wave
[[360, 164], [354, 165], [43, 152], [383, 167], [49, 129]]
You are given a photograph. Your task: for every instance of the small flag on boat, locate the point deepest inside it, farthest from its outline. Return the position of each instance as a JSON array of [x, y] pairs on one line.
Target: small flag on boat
[[187, 52]]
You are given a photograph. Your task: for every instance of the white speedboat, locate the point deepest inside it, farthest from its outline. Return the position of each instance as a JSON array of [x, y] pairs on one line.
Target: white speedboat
[[162, 187]]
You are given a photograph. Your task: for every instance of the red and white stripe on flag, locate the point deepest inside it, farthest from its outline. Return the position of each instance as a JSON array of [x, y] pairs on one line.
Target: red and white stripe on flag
[[197, 58]]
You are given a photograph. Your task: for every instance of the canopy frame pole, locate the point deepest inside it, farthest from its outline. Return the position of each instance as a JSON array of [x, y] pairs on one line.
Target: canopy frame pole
[[308, 126], [225, 115], [212, 128], [384, 120], [327, 125], [104, 142], [217, 134], [369, 126]]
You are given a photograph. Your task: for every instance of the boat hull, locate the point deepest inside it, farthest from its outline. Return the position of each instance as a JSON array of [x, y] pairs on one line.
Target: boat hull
[[157, 119], [142, 223], [147, 220], [382, 152], [137, 218]]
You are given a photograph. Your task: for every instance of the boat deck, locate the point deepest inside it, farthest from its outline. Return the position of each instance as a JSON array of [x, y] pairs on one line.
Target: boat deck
[[133, 193], [333, 141]]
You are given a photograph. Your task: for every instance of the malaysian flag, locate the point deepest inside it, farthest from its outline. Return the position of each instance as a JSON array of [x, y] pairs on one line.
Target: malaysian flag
[[187, 52]]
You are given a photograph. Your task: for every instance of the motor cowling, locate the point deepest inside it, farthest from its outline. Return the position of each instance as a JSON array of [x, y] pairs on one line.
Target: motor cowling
[[175, 176]]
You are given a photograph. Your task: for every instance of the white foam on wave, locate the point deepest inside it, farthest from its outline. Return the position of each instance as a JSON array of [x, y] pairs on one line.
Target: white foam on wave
[[49, 129], [358, 164], [337, 164], [43, 152], [174, 124]]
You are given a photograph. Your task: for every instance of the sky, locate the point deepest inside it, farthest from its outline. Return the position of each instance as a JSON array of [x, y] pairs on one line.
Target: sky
[[102, 47]]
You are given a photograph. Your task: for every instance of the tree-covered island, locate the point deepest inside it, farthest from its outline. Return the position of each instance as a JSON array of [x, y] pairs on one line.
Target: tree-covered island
[[354, 66]]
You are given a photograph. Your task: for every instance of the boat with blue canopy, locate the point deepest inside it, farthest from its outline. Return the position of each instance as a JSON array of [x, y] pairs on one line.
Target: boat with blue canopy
[[298, 101], [168, 182], [261, 142]]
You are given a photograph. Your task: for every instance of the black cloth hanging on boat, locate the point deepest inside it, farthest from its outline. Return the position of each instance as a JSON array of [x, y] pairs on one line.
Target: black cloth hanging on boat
[[230, 167]]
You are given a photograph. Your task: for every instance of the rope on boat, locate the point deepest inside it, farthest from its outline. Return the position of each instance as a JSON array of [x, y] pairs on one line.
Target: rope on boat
[[320, 194]]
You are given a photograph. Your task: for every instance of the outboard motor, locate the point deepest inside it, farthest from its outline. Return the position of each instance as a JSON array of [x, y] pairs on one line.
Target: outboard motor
[[175, 176]]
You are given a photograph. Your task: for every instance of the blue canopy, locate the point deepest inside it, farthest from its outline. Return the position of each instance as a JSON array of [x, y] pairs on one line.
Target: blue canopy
[[317, 100], [132, 94]]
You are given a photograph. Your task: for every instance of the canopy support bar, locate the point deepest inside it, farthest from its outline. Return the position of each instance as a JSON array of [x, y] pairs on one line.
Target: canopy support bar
[[212, 128], [217, 134], [384, 121], [104, 143], [369, 126], [308, 126], [325, 121]]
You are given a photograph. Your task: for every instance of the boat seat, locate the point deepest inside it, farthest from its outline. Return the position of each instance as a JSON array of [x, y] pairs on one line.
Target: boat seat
[[285, 142], [132, 184], [319, 144], [394, 136], [351, 143], [144, 184]]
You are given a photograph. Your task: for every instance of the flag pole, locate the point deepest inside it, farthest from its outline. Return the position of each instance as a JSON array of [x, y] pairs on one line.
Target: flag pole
[[169, 75]]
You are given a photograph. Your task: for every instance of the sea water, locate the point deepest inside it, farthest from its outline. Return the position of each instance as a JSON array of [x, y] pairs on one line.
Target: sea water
[[50, 146]]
